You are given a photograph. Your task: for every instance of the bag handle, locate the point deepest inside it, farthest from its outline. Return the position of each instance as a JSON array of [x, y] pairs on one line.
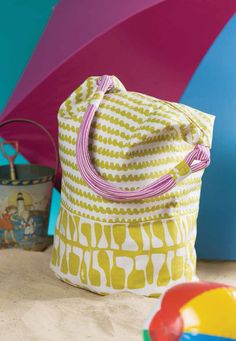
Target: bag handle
[[109, 191], [25, 120]]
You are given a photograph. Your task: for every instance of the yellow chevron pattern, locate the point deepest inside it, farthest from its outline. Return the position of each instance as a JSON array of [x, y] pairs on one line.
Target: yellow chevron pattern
[[140, 246]]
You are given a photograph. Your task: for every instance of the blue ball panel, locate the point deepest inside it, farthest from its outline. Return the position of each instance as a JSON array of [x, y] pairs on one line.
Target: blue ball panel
[[203, 337]]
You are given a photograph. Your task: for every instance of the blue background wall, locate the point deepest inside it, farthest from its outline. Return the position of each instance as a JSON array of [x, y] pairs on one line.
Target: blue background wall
[[213, 90], [21, 25]]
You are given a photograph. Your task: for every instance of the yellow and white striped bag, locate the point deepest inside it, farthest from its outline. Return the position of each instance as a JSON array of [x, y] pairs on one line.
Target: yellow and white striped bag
[[132, 167]]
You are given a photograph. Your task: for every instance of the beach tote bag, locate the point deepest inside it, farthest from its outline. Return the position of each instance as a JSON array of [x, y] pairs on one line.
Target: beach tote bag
[[132, 167]]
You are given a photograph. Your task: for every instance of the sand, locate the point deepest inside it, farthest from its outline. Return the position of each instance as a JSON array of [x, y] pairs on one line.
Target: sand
[[35, 306]]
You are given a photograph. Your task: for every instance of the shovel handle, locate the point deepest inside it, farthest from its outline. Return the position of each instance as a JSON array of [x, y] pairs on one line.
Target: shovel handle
[[12, 172], [40, 126]]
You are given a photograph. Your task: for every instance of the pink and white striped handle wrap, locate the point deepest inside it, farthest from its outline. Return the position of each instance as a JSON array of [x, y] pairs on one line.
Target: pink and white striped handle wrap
[[109, 191]]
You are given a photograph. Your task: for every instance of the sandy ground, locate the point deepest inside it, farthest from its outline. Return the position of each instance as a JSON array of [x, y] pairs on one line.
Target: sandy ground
[[35, 306]]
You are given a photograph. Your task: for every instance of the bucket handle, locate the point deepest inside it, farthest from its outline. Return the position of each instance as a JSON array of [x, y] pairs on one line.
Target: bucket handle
[[25, 120], [109, 191]]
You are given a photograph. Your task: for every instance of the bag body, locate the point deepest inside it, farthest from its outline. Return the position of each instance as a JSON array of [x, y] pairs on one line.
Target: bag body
[[132, 167]]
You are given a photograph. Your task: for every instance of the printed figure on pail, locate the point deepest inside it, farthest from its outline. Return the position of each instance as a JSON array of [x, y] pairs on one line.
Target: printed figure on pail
[[29, 226], [24, 216], [6, 224]]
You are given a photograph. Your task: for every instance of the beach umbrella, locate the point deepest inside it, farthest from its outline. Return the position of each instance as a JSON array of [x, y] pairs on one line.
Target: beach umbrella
[[152, 46]]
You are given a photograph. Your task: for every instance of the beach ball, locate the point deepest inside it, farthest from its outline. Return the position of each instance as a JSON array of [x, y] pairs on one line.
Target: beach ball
[[194, 311]]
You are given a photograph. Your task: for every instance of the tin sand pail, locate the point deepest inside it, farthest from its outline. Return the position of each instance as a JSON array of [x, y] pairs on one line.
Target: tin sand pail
[[25, 201]]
